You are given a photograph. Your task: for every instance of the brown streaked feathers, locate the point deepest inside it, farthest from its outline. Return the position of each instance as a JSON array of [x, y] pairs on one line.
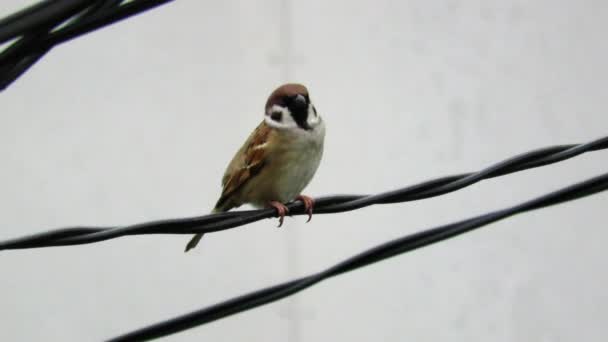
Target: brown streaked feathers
[[274, 164], [250, 158], [247, 162]]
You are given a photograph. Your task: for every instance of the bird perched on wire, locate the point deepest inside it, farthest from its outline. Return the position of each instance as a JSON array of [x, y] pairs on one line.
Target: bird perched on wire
[[278, 159]]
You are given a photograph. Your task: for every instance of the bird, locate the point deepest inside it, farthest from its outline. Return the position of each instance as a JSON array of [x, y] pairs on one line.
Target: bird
[[278, 159]]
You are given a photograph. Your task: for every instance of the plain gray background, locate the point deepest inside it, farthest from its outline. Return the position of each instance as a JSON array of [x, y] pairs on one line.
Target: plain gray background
[[137, 121]]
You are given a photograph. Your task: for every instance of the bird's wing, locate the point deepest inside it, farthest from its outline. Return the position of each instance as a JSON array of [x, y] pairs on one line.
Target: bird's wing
[[245, 164]]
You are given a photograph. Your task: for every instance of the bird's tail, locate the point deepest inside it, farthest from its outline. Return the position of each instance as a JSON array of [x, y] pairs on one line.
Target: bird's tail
[[196, 238]]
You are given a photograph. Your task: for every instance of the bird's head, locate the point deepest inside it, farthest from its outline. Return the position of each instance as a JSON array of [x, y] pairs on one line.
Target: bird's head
[[289, 107]]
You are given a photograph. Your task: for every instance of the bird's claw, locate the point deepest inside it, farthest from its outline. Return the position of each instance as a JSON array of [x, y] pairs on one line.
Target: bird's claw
[[282, 210], [309, 204]]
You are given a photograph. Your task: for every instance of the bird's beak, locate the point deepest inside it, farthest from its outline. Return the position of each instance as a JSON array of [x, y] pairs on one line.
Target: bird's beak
[[300, 101]]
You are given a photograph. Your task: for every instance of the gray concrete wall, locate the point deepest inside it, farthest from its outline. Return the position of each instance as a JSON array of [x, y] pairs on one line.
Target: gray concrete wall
[[136, 122]]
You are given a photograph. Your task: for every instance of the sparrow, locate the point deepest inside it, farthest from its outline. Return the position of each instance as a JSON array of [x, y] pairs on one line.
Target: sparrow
[[278, 159]]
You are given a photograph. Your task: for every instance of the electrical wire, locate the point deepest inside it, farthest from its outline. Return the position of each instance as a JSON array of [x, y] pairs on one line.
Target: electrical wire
[[378, 253], [38, 28], [324, 205]]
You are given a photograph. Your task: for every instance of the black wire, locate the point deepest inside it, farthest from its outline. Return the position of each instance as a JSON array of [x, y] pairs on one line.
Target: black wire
[[33, 45], [34, 28], [26, 51], [31, 42], [39, 15], [384, 251], [324, 205], [105, 18]]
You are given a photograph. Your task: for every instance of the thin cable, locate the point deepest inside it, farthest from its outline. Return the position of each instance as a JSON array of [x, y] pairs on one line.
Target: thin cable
[[38, 15], [19, 57], [378, 253], [25, 52], [324, 205]]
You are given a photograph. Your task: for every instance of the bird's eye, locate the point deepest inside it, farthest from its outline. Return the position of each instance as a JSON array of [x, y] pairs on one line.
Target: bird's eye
[[276, 116]]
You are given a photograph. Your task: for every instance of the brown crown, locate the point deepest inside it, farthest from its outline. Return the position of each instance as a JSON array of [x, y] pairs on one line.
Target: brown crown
[[283, 91]]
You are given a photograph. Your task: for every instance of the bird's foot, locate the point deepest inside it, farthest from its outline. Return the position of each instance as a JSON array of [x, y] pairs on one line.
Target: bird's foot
[[309, 204], [282, 210]]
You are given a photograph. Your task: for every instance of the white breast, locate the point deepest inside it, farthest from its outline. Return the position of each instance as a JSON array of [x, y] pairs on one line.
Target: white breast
[[300, 161], [290, 168]]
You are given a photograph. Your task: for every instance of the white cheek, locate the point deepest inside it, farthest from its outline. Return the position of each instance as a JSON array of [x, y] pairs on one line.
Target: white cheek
[[313, 118], [287, 120]]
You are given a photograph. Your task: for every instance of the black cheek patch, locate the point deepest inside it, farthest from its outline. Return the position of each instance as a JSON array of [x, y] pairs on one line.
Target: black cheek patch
[[276, 116]]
